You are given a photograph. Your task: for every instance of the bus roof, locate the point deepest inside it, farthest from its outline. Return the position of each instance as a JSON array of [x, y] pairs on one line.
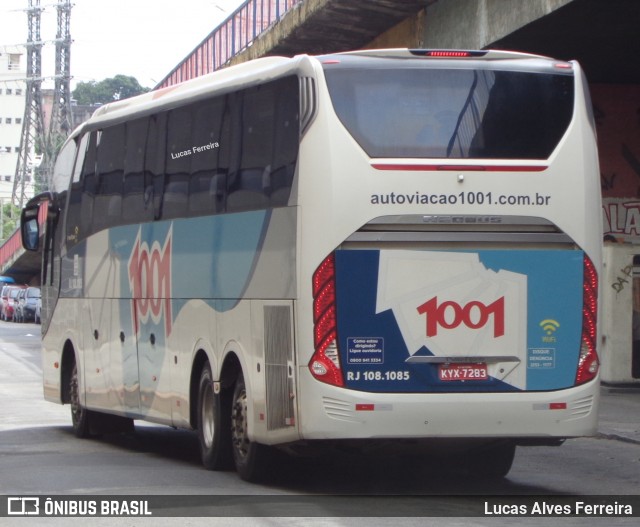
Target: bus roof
[[267, 68]]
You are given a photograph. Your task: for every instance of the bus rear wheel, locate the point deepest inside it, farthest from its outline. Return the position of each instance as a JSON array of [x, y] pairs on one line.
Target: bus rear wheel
[[79, 415], [251, 458], [213, 424], [491, 462]]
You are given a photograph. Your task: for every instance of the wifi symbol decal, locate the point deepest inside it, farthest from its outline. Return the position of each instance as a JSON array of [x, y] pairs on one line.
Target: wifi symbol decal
[[549, 325]]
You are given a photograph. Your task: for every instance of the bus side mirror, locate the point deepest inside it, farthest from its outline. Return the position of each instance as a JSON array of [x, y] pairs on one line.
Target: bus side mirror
[[29, 225], [29, 228]]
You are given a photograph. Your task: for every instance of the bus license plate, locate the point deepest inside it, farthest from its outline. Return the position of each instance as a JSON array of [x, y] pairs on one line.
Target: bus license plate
[[463, 372]]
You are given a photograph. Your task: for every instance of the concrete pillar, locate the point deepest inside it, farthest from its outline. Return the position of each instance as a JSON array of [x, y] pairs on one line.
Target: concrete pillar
[[407, 34], [616, 313]]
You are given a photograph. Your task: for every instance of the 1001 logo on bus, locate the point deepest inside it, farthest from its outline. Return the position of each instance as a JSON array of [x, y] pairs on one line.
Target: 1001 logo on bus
[[474, 315], [150, 282]]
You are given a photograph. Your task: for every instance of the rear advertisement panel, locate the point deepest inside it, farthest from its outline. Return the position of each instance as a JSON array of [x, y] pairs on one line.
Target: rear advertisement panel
[[438, 321]]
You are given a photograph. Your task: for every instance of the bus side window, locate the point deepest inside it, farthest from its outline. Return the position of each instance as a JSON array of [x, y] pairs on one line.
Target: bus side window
[[205, 178], [133, 210], [63, 175], [286, 140], [154, 164], [250, 185], [266, 127], [80, 204], [178, 167], [107, 210]]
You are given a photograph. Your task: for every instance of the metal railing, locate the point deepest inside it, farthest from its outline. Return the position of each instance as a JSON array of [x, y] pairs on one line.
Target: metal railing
[[11, 249], [236, 33]]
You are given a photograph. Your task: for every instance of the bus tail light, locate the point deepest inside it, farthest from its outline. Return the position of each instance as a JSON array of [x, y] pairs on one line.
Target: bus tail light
[[448, 53], [325, 363], [588, 363]]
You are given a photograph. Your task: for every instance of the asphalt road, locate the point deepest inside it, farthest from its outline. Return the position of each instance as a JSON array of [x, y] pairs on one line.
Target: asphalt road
[[40, 455]]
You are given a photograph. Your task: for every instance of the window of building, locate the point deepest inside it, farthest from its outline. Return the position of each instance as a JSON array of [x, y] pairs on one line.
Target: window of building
[[14, 61]]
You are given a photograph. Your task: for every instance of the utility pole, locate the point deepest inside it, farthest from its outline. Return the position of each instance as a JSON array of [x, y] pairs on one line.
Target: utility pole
[[61, 122], [32, 138], [36, 142]]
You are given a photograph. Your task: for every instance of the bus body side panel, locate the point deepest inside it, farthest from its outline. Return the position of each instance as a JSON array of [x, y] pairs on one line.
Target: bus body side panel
[[156, 294], [64, 327]]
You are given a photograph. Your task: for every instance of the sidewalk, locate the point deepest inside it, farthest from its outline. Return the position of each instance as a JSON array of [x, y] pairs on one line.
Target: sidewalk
[[620, 413]]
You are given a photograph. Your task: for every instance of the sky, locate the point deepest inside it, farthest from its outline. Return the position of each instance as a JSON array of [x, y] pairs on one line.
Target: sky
[[142, 38]]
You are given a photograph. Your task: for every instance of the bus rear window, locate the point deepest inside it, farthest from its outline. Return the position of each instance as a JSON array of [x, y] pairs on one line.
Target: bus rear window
[[452, 113]]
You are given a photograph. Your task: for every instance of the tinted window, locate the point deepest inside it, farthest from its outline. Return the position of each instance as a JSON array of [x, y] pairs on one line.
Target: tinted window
[[87, 185], [107, 209], [266, 127], [228, 153], [80, 207], [63, 168], [452, 113], [154, 162], [209, 162], [134, 206]]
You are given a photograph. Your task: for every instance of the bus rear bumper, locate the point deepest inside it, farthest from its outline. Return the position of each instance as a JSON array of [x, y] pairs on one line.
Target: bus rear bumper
[[336, 413]]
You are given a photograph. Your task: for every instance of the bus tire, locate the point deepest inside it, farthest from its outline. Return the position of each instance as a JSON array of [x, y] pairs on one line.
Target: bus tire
[[492, 462], [89, 423], [80, 416], [214, 424], [251, 459]]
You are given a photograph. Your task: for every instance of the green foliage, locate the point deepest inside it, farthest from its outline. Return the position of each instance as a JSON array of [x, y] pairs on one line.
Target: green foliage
[[10, 216], [108, 90]]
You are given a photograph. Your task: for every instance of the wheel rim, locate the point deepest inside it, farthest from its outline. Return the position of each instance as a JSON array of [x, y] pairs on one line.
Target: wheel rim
[[239, 437], [206, 417]]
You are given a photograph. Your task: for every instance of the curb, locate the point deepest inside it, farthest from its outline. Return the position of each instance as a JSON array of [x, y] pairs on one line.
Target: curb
[[617, 437]]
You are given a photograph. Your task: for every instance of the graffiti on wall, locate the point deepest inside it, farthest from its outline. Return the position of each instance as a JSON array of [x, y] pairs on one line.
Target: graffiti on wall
[[617, 113]]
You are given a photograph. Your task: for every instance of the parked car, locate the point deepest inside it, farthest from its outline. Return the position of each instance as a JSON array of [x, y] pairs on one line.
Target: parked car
[[9, 300], [3, 299], [26, 305], [37, 318], [17, 305]]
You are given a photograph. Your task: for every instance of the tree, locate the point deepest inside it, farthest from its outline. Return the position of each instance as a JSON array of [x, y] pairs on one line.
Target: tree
[[9, 216], [107, 90]]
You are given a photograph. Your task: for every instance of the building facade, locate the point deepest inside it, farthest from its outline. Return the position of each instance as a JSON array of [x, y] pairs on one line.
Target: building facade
[[12, 104]]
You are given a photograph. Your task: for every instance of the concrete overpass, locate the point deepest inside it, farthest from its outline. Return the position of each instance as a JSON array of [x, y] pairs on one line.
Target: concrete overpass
[[23, 266], [601, 35]]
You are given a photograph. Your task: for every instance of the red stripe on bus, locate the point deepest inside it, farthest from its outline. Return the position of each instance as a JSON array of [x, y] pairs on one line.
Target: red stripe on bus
[[458, 168]]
